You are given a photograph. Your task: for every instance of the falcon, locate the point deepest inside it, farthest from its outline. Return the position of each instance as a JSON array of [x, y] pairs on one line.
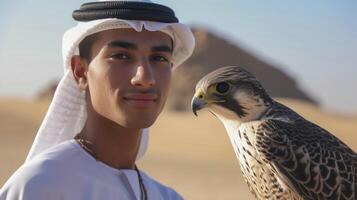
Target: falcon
[[281, 154]]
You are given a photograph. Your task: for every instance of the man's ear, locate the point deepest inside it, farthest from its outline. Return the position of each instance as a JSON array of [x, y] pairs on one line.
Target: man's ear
[[79, 67]]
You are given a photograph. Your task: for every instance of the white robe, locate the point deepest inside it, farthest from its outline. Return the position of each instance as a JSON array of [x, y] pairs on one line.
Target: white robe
[[67, 172]]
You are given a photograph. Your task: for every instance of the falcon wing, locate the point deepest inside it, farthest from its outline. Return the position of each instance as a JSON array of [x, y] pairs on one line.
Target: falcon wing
[[310, 160]]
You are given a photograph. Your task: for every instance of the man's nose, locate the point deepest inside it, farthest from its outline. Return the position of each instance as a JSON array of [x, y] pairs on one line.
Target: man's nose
[[144, 75]]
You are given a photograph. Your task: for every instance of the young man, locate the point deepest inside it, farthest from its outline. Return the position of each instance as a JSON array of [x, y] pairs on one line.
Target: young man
[[118, 62]]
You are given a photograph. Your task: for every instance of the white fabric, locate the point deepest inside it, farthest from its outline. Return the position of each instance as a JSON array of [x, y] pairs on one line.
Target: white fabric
[[67, 113], [67, 172]]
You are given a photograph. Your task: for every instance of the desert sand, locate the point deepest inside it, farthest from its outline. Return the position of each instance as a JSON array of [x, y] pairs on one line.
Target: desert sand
[[191, 154]]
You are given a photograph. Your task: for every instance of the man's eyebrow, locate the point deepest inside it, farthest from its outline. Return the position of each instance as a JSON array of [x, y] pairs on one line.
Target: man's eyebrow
[[164, 48], [122, 44], [129, 45]]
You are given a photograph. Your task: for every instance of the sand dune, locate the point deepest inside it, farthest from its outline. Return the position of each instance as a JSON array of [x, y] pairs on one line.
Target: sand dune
[[193, 155]]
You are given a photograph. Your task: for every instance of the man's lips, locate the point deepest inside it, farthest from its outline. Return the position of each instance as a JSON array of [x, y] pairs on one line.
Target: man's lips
[[141, 100], [141, 97]]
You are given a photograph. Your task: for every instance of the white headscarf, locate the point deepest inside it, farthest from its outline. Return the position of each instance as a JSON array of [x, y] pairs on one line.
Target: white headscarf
[[67, 113]]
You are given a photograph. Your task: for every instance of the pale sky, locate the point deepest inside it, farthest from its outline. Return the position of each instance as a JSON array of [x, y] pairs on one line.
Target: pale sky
[[314, 41]]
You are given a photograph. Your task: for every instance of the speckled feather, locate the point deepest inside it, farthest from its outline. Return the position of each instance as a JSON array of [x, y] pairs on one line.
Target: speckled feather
[[281, 154], [284, 156], [308, 159]]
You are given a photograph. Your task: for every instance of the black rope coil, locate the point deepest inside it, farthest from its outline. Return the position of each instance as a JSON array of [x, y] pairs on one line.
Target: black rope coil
[[125, 10]]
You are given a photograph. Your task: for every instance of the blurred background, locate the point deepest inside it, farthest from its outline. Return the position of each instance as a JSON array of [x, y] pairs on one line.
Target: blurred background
[[304, 53]]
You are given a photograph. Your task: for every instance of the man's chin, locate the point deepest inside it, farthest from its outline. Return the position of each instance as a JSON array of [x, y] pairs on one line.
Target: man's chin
[[137, 118], [138, 125], [139, 122]]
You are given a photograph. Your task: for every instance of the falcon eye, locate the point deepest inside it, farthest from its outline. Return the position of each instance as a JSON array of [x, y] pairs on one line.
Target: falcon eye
[[222, 87]]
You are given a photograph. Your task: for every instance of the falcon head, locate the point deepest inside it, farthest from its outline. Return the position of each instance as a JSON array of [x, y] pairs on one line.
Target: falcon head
[[231, 93]]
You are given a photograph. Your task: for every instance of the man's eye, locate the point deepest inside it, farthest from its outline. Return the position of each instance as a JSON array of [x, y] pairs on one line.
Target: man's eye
[[120, 56], [160, 59]]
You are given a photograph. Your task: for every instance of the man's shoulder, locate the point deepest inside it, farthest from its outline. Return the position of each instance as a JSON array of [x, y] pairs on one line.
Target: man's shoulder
[[32, 179], [53, 161], [42, 174]]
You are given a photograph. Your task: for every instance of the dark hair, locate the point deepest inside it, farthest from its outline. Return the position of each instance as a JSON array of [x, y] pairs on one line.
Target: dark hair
[[85, 47]]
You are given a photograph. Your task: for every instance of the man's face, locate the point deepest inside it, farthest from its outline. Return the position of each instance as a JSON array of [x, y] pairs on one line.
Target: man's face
[[129, 75]]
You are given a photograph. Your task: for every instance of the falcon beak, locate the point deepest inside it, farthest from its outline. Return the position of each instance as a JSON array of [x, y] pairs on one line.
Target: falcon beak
[[198, 102]]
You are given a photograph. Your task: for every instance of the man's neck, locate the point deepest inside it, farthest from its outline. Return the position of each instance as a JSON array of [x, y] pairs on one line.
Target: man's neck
[[112, 144]]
